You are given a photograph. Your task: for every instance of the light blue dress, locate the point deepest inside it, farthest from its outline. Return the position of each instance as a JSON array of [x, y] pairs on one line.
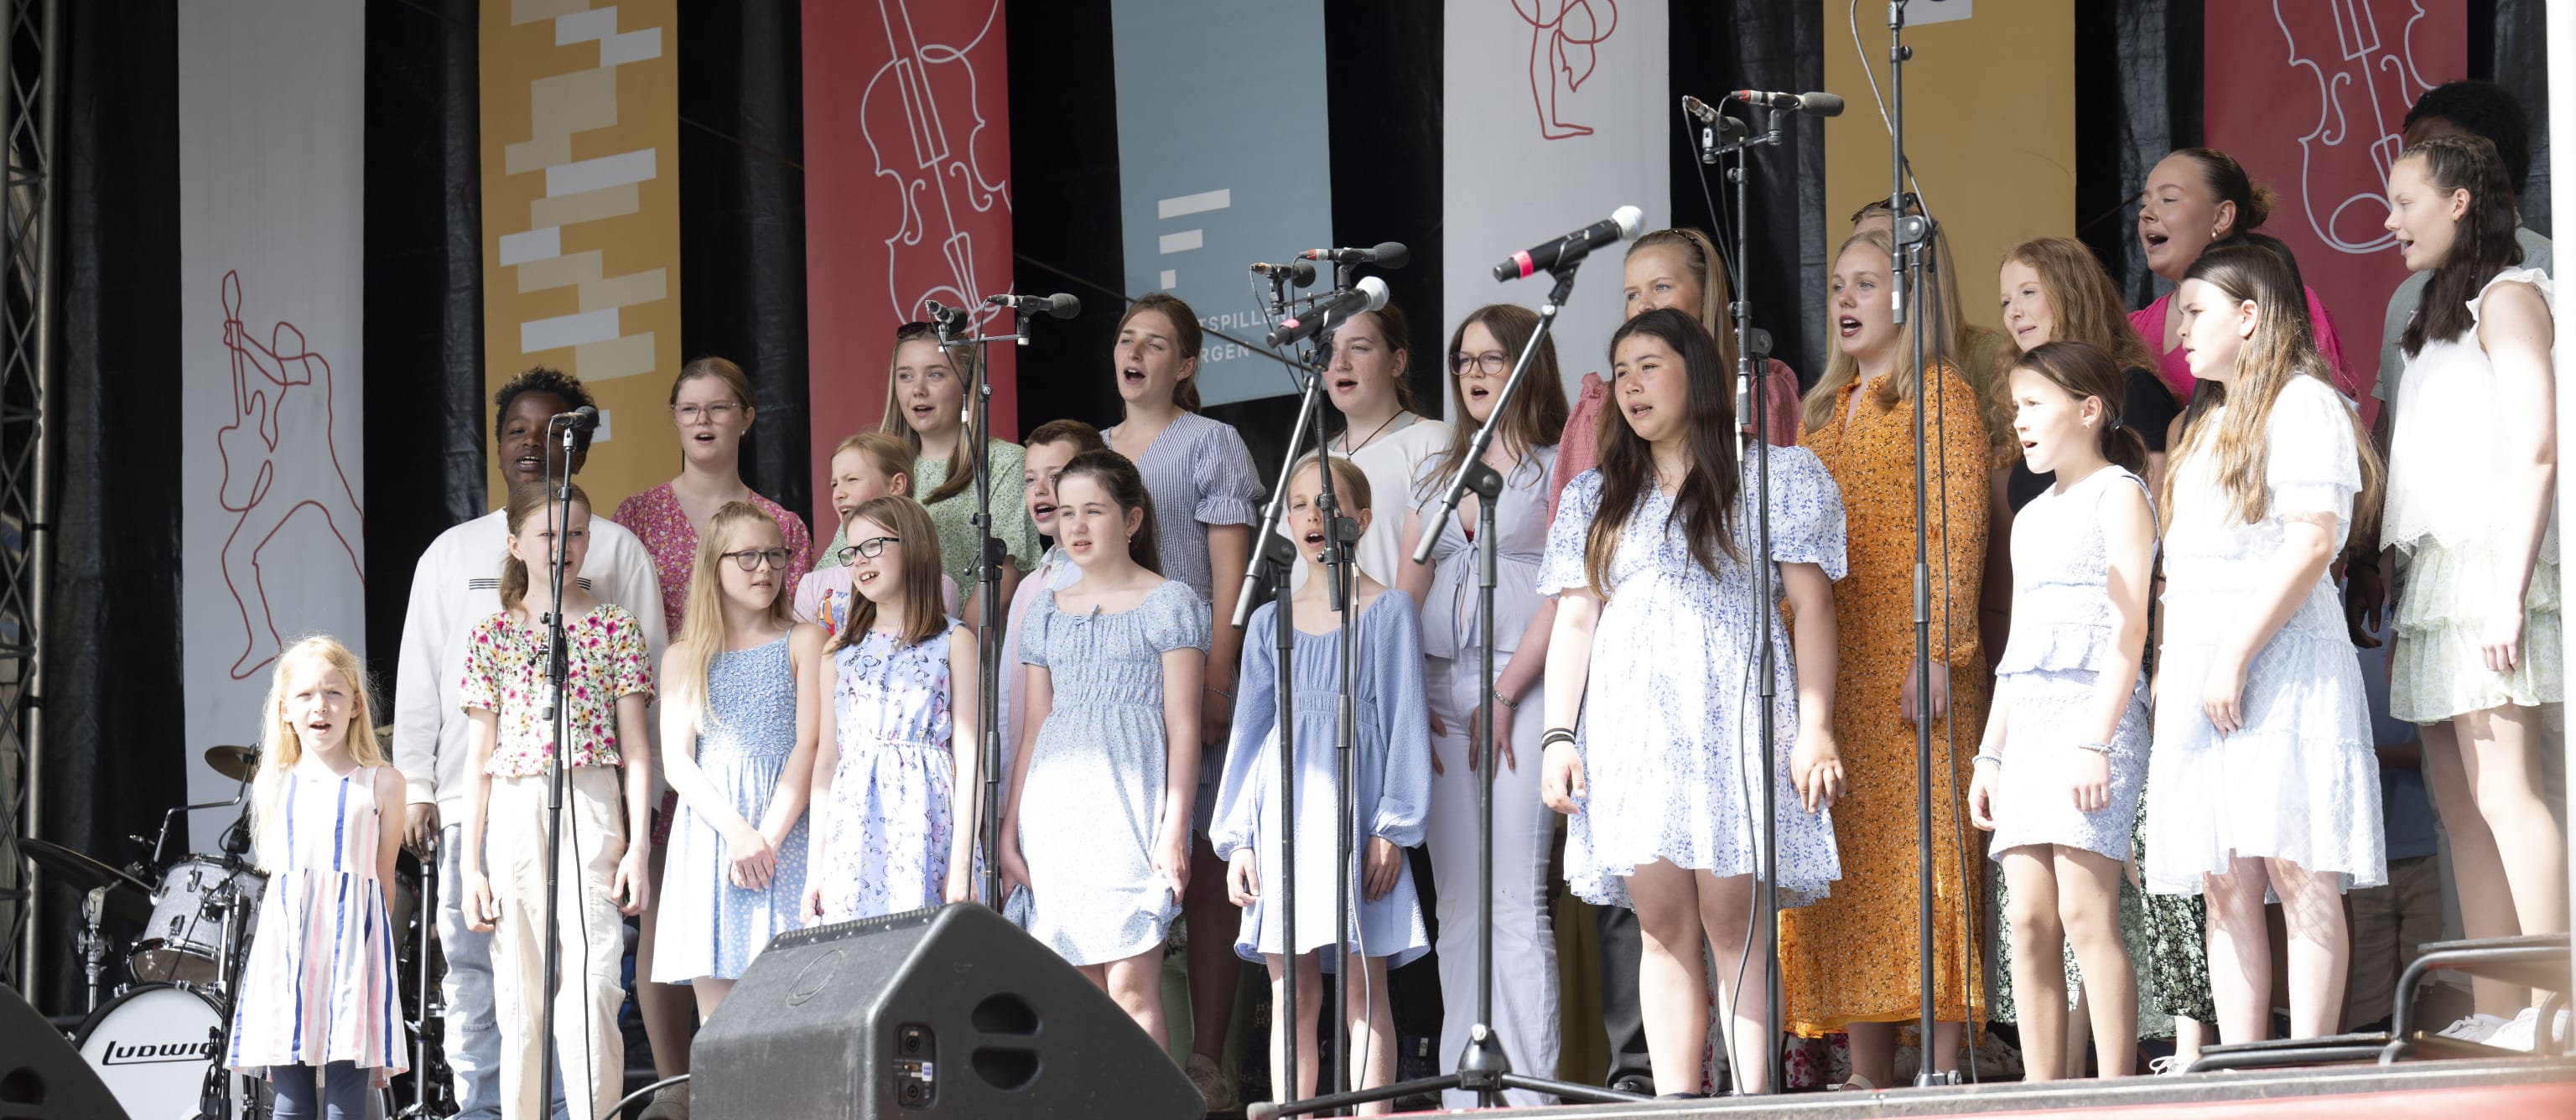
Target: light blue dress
[[1668, 753], [893, 796], [708, 926], [1094, 794], [1393, 794]]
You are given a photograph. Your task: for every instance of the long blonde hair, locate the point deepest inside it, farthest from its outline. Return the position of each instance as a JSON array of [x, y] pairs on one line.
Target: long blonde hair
[[1842, 369], [280, 748], [2283, 348], [702, 626], [960, 360]]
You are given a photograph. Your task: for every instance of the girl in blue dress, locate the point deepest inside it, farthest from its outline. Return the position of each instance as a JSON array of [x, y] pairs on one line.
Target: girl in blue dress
[[1098, 827], [898, 698], [1394, 792], [738, 713], [1651, 655]]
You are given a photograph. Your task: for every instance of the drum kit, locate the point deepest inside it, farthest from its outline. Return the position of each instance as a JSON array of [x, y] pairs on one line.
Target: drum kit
[[159, 1035]]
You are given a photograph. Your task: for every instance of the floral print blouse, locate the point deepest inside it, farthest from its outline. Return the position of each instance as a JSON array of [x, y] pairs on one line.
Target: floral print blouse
[[655, 517], [505, 674]]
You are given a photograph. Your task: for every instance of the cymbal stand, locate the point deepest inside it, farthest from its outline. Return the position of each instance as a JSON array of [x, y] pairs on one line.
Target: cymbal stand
[[92, 943], [422, 1083]]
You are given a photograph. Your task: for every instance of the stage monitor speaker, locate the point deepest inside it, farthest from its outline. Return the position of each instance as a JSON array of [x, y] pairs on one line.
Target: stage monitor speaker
[[41, 1076], [948, 1012]]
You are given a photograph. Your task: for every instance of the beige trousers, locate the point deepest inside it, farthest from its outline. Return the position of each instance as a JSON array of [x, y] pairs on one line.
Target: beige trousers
[[592, 933]]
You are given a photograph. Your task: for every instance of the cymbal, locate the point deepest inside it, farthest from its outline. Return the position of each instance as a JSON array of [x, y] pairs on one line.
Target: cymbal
[[127, 896], [238, 763]]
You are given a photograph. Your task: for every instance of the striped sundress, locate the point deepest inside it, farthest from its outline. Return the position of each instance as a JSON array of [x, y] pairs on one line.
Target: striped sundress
[[319, 987]]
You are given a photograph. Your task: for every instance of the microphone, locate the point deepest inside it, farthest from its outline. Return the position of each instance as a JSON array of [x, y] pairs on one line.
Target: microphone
[[1062, 305], [583, 419], [1821, 104], [1621, 225], [1367, 295], [1384, 254], [1299, 271], [1699, 110], [951, 320]]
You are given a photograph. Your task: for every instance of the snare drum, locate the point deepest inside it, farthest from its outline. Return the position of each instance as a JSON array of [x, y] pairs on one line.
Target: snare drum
[[185, 940]]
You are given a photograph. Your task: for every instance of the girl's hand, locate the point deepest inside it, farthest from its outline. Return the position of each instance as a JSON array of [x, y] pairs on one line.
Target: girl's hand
[[2088, 777], [1379, 868], [1502, 738], [633, 883], [2220, 696], [1172, 858], [1436, 732], [1015, 870], [1439, 726], [1905, 698], [1816, 770], [811, 911], [960, 885], [1560, 784], [750, 861], [2501, 643], [1216, 710], [1242, 879], [1981, 799], [481, 912]]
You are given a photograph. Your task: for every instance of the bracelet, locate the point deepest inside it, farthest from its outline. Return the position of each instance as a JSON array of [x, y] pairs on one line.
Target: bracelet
[[1554, 736], [2097, 748], [1218, 691], [1994, 760], [1506, 701]]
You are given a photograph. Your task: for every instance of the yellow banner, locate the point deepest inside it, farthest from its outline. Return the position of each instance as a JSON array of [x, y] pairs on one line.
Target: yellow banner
[[1992, 141], [581, 218]]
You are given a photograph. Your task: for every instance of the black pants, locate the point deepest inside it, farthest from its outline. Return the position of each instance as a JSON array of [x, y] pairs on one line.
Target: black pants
[[1621, 947]]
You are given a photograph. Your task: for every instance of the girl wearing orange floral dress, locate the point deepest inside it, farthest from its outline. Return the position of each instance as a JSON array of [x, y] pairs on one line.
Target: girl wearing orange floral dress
[[1860, 421]]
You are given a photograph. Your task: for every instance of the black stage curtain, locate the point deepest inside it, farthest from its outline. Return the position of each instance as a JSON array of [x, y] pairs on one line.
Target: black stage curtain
[[742, 223], [113, 755], [423, 340], [1064, 203], [1751, 44], [2137, 97], [2510, 48]]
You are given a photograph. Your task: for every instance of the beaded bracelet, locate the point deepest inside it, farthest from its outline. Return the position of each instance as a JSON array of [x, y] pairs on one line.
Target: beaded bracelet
[[1994, 760]]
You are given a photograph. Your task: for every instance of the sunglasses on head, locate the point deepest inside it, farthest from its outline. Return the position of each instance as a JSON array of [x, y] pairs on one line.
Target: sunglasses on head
[[1912, 205]]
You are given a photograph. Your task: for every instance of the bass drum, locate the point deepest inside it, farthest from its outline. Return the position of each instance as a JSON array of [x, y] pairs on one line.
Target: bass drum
[[153, 1046]]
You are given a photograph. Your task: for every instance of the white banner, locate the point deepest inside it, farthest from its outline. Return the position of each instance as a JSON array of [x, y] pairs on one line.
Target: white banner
[[1534, 151], [272, 97]]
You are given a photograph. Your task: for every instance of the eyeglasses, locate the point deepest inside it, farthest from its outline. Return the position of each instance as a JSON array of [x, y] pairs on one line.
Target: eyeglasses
[[717, 413], [750, 559], [1491, 361], [868, 549]]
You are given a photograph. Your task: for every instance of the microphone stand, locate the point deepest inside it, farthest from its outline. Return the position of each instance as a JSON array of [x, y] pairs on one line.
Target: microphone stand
[[1913, 240], [558, 775], [1483, 1068], [988, 629]]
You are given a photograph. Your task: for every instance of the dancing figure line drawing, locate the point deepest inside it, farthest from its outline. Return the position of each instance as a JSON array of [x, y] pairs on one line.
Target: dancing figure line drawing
[[279, 459], [1564, 39]]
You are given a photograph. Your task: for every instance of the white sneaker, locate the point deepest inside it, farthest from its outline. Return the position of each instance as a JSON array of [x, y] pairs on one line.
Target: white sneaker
[[2476, 1028], [2517, 1033]]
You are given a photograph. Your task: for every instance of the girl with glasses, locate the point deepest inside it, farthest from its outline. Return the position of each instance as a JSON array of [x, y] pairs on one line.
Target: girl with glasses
[[865, 467], [896, 696], [711, 404], [738, 716]]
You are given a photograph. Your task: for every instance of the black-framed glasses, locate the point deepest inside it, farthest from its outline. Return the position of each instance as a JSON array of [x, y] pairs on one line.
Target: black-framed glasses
[[868, 549], [1492, 362], [750, 559]]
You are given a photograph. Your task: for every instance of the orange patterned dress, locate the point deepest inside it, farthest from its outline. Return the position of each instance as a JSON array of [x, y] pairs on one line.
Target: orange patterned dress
[[1851, 957]]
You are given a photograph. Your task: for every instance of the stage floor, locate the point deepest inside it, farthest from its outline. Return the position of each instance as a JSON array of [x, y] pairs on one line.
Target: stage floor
[[2464, 1090]]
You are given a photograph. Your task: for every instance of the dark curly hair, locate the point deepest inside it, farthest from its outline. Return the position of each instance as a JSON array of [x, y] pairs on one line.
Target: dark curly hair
[[2483, 109], [541, 379]]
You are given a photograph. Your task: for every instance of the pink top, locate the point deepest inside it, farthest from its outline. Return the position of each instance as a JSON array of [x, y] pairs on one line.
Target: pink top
[[1579, 450], [505, 674], [655, 517], [2176, 370]]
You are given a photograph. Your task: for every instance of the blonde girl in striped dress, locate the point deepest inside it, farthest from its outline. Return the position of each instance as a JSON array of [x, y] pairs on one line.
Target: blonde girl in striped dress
[[317, 1006]]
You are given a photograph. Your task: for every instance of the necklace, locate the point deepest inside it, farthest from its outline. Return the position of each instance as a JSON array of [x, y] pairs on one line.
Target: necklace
[[1348, 448]]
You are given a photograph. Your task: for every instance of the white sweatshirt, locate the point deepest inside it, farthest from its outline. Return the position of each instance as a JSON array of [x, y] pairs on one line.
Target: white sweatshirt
[[457, 584]]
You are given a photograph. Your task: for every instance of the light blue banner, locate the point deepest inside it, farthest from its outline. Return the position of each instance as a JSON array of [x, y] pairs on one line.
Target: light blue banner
[[1221, 162]]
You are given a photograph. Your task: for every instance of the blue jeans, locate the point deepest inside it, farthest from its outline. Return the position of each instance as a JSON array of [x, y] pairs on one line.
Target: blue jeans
[[473, 1036], [343, 1092]]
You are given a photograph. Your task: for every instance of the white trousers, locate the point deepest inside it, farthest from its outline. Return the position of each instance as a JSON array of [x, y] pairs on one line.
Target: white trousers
[[588, 1046], [1524, 1008]]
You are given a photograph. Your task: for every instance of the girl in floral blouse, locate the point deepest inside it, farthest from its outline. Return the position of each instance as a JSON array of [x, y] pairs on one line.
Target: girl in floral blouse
[[505, 694]]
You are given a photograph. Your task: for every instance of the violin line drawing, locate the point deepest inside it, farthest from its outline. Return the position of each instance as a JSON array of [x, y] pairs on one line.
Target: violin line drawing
[[2366, 83], [929, 157]]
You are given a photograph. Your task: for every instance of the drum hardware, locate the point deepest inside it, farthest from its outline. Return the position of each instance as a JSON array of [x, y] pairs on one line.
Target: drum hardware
[[127, 896], [426, 1086], [238, 763]]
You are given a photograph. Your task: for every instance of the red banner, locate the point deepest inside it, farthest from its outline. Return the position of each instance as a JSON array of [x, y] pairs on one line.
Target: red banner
[[2311, 96], [907, 196]]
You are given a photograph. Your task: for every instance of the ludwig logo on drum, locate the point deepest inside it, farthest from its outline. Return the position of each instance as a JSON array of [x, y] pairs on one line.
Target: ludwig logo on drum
[[143, 1053]]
